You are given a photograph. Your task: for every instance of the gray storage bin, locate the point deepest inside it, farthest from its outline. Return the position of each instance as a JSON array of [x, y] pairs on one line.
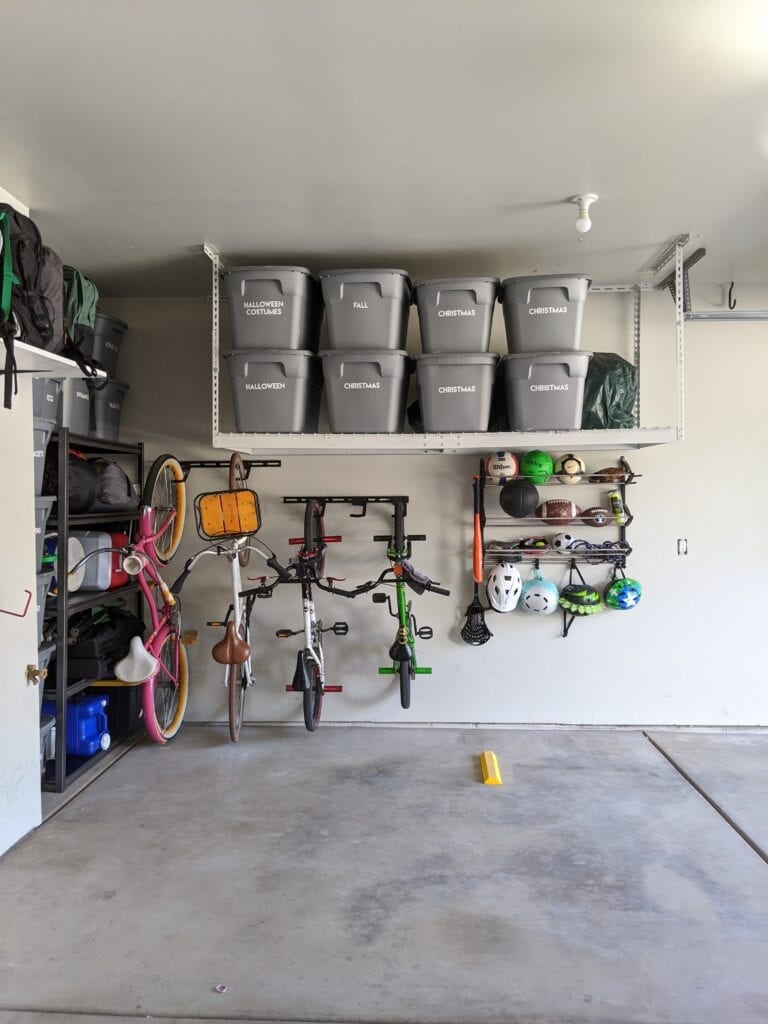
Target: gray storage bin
[[544, 313], [274, 308], [47, 740], [366, 391], [545, 390], [45, 397], [366, 309], [75, 406], [43, 585], [41, 434], [107, 335], [44, 655], [455, 390], [275, 391], [107, 397], [43, 506], [455, 315]]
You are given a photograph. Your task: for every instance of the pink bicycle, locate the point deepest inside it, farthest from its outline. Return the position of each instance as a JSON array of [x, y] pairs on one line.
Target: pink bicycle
[[158, 663]]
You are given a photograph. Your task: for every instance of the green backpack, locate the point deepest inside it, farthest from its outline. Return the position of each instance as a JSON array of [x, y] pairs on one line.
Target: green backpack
[[79, 313]]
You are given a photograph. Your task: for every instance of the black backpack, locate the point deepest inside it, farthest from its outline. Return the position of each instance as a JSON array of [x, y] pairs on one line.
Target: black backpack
[[27, 316]]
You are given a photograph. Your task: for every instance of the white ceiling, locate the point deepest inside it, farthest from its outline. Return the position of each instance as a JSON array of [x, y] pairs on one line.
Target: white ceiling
[[435, 135]]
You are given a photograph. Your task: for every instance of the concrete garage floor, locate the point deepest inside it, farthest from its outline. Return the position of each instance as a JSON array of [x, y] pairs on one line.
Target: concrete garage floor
[[366, 875]]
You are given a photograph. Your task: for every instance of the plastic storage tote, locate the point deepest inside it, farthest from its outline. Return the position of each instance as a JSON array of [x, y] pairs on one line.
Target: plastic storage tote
[[107, 336], [44, 655], [274, 307], [366, 309], [43, 582], [455, 390], [545, 390], [87, 727], [45, 397], [103, 571], [366, 391], [455, 315], [41, 434], [275, 391], [544, 313], [47, 739], [43, 506], [107, 397], [75, 405]]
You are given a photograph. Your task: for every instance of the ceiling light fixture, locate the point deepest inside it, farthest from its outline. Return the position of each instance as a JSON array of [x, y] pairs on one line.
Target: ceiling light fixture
[[583, 222]]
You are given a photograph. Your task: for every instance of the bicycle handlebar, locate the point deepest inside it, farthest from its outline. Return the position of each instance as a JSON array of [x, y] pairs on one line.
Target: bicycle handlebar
[[411, 536]]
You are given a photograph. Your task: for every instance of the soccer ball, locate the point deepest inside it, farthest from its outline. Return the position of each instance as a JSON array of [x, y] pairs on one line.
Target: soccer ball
[[501, 466], [569, 469], [563, 541]]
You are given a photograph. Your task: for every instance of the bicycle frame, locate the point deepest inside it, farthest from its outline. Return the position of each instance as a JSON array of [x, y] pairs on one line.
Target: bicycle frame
[[407, 629]]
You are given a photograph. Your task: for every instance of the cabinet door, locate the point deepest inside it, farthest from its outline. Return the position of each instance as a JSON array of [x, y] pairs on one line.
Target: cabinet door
[[19, 701]]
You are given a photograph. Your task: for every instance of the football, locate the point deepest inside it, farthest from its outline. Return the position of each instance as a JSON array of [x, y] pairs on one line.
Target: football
[[558, 511], [501, 466], [596, 516]]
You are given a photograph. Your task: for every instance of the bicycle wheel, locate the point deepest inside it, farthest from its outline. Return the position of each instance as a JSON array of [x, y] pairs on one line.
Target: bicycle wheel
[[163, 701], [314, 534], [164, 491], [237, 687], [237, 483], [405, 684], [313, 695]]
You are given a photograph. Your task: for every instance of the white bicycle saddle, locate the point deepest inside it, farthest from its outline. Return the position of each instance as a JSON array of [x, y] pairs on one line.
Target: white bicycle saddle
[[138, 665]]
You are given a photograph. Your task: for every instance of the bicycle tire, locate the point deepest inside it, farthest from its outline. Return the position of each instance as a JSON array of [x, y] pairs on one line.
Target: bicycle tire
[[164, 490], [237, 689], [237, 482], [405, 684], [313, 695], [163, 703], [314, 534]]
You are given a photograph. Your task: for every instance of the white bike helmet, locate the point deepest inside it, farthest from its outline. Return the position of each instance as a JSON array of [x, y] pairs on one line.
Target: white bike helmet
[[503, 587]]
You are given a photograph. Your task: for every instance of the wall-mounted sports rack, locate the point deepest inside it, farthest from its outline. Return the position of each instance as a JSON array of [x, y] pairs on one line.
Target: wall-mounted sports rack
[[405, 444]]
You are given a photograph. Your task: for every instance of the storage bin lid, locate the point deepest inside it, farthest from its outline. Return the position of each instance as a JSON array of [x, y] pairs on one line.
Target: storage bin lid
[[104, 387], [459, 359], [270, 355], [364, 272], [547, 280], [577, 362], [119, 325], [43, 423], [370, 355], [458, 282], [267, 271], [45, 501]]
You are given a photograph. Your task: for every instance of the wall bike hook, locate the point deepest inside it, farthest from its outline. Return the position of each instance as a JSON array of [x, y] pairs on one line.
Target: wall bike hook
[[731, 300]]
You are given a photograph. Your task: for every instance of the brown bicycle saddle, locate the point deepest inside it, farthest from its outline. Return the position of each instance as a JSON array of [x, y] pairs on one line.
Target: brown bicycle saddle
[[231, 649]]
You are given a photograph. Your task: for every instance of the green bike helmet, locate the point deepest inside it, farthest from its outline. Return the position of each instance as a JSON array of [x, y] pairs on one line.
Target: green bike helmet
[[623, 594], [580, 599]]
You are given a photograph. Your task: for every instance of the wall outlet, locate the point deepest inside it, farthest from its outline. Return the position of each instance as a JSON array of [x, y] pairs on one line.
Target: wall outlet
[[682, 545]]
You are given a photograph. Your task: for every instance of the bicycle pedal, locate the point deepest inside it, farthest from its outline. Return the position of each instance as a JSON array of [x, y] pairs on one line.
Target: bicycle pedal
[[283, 634], [423, 671], [216, 622], [189, 637], [340, 628], [424, 633], [333, 689]]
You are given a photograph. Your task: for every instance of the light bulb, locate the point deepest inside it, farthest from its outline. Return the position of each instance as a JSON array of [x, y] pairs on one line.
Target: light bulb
[[583, 222]]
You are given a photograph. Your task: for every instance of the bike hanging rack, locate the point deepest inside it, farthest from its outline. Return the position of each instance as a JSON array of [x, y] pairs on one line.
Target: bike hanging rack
[[361, 501], [249, 464]]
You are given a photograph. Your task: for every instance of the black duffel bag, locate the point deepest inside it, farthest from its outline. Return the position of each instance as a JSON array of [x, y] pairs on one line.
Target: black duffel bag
[[96, 639], [83, 479]]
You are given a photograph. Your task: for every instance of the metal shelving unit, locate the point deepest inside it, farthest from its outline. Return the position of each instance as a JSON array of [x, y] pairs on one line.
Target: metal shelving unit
[[406, 444], [66, 768]]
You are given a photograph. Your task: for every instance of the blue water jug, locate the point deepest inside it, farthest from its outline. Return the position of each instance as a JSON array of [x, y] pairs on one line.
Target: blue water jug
[[87, 726]]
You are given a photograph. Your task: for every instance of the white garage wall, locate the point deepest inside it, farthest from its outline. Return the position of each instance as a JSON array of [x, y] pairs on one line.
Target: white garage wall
[[692, 652]]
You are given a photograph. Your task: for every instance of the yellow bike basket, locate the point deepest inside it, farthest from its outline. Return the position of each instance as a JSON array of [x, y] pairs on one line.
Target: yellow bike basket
[[224, 514]]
